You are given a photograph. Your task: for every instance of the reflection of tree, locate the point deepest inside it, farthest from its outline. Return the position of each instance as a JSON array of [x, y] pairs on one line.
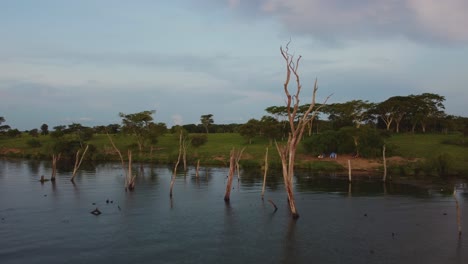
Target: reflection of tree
[[254, 177], [34, 167], [306, 182], [290, 254]]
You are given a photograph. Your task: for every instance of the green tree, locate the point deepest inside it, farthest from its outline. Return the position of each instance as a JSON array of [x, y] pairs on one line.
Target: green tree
[[3, 128], [250, 130], [80, 132], [34, 132], [387, 111], [206, 121], [270, 128], [44, 129], [59, 132], [198, 140], [13, 133], [278, 112], [141, 126], [426, 107]]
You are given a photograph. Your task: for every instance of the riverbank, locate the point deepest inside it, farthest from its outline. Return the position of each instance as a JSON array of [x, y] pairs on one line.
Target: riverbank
[[408, 154]]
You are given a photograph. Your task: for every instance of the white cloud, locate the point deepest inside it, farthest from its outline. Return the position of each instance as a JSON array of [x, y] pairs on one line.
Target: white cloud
[[177, 119], [338, 20]]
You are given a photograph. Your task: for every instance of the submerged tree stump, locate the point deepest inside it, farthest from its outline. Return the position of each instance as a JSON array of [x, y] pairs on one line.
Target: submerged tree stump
[[232, 168]]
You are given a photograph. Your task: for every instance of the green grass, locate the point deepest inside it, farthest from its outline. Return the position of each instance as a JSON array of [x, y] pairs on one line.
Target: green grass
[[429, 147]]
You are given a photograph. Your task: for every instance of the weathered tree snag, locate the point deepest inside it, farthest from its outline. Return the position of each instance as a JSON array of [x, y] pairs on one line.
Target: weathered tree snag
[[458, 212], [181, 143], [55, 158], [274, 205], [197, 174], [384, 164], [185, 145], [238, 156], [297, 124], [349, 171], [78, 161], [232, 168], [43, 179], [265, 172], [129, 178]]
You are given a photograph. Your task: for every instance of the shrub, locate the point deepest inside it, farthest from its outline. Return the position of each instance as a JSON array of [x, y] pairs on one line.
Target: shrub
[[198, 140], [34, 143], [443, 164]]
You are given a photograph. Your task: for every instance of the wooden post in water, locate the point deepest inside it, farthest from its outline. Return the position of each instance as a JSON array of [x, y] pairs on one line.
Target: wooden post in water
[[55, 158], [458, 212], [349, 171], [232, 167], [197, 174], [130, 177], [265, 172], [384, 164]]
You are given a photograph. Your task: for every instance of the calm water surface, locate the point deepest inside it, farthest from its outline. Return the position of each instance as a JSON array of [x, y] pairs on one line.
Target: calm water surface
[[368, 222]]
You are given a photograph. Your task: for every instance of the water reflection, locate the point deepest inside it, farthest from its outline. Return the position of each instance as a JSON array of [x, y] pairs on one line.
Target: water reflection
[[290, 253], [197, 226]]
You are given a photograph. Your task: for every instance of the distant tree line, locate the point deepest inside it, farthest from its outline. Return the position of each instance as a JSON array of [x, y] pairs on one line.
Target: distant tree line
[[349, 127]]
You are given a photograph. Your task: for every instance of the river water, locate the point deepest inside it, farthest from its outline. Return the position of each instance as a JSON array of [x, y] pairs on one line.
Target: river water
[[367, 222]]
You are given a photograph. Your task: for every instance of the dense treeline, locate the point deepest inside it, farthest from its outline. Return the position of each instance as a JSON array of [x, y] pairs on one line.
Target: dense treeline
[[355, 127]]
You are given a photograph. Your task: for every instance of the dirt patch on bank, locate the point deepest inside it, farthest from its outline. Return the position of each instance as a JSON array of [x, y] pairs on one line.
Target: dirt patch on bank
[[360, 164], [4, 151]]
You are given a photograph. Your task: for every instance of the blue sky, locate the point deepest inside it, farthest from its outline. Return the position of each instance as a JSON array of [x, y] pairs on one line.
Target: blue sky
[[68, 61]]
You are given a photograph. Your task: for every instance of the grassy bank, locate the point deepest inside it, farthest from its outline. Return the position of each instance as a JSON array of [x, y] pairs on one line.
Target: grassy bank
[[430, 154], [420, 154]]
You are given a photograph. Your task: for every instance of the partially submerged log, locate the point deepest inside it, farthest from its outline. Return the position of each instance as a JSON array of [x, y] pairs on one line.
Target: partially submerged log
[[95, 212], [274, 205], [42, 180]]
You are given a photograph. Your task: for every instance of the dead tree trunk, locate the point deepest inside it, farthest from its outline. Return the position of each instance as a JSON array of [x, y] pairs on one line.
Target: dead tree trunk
[[185, 145], [265, 172], [384, 164], [78, 161], [197, 174], [181, 143], [55, 158], [232, 168], [297, 124], [238, 156], [458, 212], [349, 171], [129, 178]]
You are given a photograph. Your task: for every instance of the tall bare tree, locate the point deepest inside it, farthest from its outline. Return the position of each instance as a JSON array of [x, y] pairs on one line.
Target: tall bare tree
[[297, 124]]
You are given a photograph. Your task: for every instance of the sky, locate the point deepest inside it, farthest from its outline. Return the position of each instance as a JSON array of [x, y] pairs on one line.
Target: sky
[[68, 61]]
